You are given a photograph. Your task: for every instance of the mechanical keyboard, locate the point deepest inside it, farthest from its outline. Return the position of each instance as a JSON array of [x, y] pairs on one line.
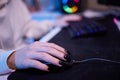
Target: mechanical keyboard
[[85, 27]]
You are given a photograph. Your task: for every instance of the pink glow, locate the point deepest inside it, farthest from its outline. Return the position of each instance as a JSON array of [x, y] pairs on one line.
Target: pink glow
[[115, 20], [76, 1], [117, 23]]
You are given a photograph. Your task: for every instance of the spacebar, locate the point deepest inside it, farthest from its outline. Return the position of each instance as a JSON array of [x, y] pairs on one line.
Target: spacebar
[[51, 34]]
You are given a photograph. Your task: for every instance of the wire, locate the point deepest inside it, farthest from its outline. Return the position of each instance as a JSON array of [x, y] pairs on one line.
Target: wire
[[94, 59]]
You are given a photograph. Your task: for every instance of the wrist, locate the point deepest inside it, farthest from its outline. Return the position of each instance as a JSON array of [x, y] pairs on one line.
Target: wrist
[[11, 61]]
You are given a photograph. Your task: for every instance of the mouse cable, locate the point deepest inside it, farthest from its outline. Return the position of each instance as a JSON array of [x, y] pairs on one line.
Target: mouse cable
[[94, 59]]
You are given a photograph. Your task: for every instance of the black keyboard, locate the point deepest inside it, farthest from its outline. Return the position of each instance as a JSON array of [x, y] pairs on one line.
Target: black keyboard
[[85, 28]]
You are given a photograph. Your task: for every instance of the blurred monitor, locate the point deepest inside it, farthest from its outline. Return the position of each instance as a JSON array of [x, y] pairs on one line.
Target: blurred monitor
[[113, 5], [110, 2]]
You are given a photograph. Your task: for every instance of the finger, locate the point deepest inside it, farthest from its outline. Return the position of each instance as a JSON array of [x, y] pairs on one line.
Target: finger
[[47, 58], [38, 65], [52, 52], [52, 45], [61, 23], [44, 44]]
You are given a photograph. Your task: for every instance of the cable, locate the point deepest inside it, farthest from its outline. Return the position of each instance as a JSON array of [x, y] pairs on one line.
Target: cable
[[94, 59]]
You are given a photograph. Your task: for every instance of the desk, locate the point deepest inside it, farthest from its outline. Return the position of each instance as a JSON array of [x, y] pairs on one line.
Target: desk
[[106, 46]]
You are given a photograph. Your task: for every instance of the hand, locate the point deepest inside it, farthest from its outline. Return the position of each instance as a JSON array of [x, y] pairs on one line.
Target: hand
[[32, 55], [36, 29]]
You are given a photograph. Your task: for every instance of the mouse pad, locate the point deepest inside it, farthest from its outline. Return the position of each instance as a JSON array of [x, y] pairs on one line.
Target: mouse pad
[[95, 70], [107, 46]]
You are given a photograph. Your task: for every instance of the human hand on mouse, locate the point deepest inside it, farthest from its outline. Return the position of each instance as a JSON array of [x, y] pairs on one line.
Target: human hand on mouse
[[32, 55]]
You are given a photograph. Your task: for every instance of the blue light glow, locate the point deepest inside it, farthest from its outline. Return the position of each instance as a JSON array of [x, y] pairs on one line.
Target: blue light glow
[[64, 1]]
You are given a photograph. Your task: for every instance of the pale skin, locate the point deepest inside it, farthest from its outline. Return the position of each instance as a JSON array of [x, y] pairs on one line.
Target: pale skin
[[30, 56]]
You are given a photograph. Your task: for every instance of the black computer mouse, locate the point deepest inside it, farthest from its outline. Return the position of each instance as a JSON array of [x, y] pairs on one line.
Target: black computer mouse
[[65, 64]]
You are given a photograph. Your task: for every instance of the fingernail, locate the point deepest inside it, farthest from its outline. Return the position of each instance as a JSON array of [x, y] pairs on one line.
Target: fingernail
[[61, 63], [67, 57]]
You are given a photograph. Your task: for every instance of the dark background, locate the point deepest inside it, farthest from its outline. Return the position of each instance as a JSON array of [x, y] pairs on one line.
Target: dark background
[[110, 2]]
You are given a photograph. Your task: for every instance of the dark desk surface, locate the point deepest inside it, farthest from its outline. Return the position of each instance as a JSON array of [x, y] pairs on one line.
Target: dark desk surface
[[106, 46]]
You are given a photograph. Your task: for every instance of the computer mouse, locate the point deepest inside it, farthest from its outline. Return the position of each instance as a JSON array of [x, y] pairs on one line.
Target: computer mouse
[[65, 64]]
